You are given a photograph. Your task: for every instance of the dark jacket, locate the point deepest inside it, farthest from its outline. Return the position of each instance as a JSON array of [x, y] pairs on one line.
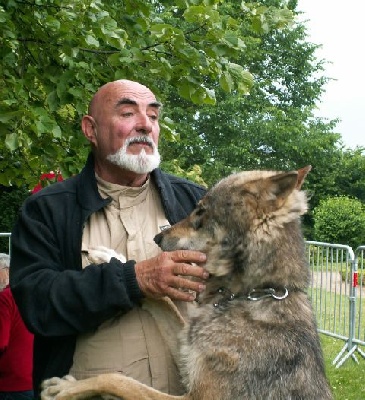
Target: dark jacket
[[56, 297]]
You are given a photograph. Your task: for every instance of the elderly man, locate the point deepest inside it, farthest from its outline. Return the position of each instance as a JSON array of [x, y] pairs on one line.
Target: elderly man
[[90, 318]]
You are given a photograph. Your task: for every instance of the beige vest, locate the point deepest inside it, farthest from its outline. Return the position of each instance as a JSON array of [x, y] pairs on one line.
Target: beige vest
[[135, 343]]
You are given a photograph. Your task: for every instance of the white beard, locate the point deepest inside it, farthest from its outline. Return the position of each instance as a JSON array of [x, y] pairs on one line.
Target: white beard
[[141, 163]]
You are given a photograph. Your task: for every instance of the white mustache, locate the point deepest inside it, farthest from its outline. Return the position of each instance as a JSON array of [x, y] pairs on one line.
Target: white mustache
[[142, 163], [140, 139]]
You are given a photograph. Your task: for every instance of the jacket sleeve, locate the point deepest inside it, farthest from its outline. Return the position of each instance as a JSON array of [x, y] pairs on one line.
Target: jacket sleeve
[[55, 296], [179, 196]]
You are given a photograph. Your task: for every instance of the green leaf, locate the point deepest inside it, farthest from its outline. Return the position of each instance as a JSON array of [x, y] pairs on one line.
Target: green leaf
[[243, 78], [52, 23], [8, 116], [168, 130], [91, 41], [12, 141], [201, 15], [226, 82], [56, 131]]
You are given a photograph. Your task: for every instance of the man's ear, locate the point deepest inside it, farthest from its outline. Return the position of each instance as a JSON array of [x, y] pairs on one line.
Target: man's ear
[[88, 126]]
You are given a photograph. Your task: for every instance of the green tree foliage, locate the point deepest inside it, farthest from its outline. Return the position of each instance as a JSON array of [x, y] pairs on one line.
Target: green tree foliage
[[55, 54], [350, 174], [10, 201], [239, 82], [274, 126], [340, 220]]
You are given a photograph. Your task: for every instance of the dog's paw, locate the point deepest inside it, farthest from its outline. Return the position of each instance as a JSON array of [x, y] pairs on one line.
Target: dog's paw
[[53, 388], [101, 254]]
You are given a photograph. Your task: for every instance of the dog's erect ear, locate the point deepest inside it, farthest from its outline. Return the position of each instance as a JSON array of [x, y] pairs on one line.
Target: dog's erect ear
[[283, 184], [302, 173], [286, 182]]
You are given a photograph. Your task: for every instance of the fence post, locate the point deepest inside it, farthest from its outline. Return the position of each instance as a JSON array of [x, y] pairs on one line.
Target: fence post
[[7, 234], [351, 345]]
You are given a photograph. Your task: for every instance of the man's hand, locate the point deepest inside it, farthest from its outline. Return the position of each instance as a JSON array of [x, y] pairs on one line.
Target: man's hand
[[169, 274]]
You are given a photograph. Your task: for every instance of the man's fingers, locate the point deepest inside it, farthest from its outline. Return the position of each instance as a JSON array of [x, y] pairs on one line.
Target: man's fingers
[[187, 284], [188, 255], [178, 294], [171, 274], [191, 270]]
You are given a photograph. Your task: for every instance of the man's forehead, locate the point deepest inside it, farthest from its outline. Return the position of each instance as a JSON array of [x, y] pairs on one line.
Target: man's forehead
[[114, 94], [131, 93], [131, 89], [136, 101]]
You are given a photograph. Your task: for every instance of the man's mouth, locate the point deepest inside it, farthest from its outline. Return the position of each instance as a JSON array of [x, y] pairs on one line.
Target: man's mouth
[[141, 142]]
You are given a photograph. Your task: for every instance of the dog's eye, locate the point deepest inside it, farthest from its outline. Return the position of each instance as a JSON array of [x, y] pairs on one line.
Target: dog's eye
[[197, 223], [197, 218], [199, 212], [225, 241]]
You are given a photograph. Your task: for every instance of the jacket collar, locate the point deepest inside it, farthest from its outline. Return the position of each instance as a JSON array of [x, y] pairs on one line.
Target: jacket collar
[[89, 198], [87, 191]]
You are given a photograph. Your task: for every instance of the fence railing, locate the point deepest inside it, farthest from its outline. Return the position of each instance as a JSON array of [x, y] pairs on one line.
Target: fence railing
[[6, 235], [337, 292], [337, 295]]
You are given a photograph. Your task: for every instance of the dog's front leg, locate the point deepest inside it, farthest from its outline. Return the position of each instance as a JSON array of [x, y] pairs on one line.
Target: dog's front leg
[[55, 388], [104, 386], [68, 388]]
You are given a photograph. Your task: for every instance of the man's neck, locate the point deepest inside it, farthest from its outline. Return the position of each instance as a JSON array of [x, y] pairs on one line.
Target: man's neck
[[120, 176]]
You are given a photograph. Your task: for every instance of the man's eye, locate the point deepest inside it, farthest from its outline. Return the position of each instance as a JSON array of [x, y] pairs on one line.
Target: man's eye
[[127, 114], [153, 117]]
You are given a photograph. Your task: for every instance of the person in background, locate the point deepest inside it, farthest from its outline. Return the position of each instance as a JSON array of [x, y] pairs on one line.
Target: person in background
[[16, 345], [4, 270], [91, 317]]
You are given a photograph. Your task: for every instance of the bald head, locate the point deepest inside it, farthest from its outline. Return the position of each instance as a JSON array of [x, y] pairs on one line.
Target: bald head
[[112, 91], [123, 129]]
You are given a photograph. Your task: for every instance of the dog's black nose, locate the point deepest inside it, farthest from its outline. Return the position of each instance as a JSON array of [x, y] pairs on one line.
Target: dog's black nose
[[158, 238]]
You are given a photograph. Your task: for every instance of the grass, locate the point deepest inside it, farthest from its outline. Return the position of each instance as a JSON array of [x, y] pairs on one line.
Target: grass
[[347, 381]]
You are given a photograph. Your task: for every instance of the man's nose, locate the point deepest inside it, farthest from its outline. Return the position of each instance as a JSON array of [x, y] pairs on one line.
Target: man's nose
[[144, 124]]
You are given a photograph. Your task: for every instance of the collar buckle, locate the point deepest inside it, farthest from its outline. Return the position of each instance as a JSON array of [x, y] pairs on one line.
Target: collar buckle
[[258, 294]]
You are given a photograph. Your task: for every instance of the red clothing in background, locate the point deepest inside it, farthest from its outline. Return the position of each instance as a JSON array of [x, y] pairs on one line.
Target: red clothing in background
[[16, 347]]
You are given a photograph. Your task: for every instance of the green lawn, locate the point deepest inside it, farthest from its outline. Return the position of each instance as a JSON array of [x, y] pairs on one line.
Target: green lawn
[[347, 381]]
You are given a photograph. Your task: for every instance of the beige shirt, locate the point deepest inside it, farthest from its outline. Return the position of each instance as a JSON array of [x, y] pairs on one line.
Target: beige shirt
[[132, 343]]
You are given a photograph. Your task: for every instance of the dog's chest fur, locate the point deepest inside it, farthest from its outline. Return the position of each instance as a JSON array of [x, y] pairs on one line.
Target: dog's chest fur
[[245, 341]]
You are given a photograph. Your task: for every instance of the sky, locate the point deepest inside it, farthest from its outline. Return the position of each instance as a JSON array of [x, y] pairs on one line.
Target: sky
[[339, 27]]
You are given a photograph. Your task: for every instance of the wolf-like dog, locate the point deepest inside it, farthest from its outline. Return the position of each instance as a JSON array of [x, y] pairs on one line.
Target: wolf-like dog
[[253, 334]]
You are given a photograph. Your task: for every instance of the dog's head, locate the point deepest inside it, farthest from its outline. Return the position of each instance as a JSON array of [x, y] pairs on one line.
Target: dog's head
[[238, 216]]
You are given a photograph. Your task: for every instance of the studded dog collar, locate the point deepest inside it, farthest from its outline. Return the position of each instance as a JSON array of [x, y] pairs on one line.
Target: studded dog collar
[[253, 295]]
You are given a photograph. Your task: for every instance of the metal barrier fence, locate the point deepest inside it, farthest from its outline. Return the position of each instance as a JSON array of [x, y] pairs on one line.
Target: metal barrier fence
[[338, 295], [4, 235]]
